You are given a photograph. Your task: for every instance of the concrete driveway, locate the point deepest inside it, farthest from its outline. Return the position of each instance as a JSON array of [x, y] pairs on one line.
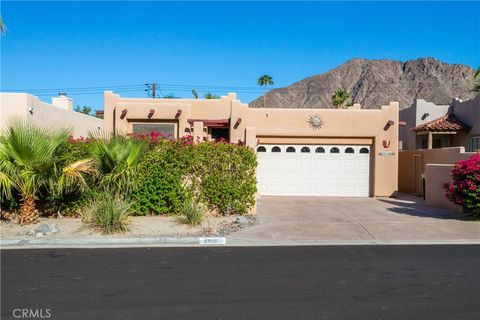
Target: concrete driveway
[[325, 218]]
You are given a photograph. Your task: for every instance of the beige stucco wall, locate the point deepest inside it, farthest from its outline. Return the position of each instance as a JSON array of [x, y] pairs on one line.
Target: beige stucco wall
[[419, 112], [469, 113], [17, 105], [250, 126], [435, 176], [432, 156]]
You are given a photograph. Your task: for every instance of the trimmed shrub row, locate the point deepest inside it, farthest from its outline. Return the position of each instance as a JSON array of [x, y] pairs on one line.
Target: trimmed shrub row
[[221, 175]]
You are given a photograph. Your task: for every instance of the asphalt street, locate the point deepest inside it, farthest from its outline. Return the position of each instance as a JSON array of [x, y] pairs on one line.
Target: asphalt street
[[316, 282]]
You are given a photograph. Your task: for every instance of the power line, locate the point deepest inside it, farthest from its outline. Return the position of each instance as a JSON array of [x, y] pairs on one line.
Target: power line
[[131, 86], [75, 88]]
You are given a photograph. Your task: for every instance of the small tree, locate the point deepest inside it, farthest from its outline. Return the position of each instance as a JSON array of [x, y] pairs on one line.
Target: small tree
[[341, 99], [464, 188], [84, 109], [209, 95], [265, 81], [476, 87], [170, 95], [2, 26]]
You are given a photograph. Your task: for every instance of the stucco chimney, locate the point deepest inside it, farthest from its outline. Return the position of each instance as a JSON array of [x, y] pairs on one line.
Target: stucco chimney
[[62, 101]]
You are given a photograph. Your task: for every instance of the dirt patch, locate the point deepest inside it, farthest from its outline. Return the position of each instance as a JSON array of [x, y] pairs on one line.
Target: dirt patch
[[151, 226]]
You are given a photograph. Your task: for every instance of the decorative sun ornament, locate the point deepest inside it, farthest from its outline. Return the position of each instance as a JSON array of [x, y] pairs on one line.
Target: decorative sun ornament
[[315, 121]]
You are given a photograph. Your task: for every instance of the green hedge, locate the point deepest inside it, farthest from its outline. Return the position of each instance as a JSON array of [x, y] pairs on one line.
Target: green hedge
[[159, 183], [220, 175], [225, 176]]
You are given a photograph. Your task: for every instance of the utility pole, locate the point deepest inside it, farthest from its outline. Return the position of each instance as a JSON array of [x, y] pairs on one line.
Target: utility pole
[[151, 87]]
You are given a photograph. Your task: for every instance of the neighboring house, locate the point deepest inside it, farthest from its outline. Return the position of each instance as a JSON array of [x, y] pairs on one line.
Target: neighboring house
[[434, 137], [56, 115], [469, 113], [308, 152], [430, 126], [418, 113]]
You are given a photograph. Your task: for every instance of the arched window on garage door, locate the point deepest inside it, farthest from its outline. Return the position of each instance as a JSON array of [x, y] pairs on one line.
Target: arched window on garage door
[[261, 149], [364, 150], [334, 150], [349, 150], [305, 150], [291, 149], [320, 150], [276, 149]]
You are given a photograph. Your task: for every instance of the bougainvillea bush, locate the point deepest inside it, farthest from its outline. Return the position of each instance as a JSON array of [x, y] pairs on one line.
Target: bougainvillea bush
[[464, 188], [218, 174]]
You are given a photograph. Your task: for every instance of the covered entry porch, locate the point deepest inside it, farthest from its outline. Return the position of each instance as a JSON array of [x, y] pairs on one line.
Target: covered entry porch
[[444, 132]]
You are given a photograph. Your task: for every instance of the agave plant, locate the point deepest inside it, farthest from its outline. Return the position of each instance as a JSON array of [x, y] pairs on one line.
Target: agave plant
[[117, 159], [31, 162]]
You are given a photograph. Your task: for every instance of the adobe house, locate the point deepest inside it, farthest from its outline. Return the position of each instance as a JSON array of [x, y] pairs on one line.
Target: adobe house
[[431, 126], [301, 152], [58, 114]]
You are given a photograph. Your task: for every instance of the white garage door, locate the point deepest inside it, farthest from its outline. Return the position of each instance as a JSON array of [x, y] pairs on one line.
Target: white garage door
[[313, 170]]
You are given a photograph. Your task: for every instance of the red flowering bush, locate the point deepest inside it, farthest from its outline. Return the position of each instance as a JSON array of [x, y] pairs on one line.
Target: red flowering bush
[[464, 188]]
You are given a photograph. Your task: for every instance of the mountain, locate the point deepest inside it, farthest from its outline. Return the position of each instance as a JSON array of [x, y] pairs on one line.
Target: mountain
[[374, 83]]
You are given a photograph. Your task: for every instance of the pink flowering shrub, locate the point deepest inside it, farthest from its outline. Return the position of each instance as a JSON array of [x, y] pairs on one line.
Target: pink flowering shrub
[[464, 188]]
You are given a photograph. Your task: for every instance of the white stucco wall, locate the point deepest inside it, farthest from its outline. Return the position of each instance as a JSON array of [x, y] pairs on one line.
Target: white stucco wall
[[18, 104]]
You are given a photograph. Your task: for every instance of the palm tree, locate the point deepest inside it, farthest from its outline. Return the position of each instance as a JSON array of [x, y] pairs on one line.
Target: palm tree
[[2, 26], [264, 81], [476, 87], [209, 95], [117, 159], [341, 99], [31, 163]]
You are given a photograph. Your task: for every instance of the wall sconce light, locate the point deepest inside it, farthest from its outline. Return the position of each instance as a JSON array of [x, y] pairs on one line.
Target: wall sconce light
[[179, 112], [386, 143], [30, 110], [389, 124], [150, 113], [99, 127], [237, 123], [124, 113]]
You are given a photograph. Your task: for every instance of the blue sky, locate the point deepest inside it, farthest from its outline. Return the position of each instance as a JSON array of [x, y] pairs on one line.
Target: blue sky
[[225, 46]]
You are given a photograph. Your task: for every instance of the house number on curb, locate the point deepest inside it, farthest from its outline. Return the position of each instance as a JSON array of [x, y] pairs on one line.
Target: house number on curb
[[219, 240], [386, 153]]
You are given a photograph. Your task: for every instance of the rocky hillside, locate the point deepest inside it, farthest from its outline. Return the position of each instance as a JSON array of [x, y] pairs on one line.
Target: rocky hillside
[[373, 83]]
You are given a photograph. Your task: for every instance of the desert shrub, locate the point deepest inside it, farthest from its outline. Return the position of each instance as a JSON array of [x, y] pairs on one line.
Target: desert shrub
[[108, 212], [464, 188], [192, 213], [223, 175], [159, 184]]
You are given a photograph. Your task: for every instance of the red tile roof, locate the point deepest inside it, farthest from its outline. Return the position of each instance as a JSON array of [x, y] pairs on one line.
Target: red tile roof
[[446, 123]]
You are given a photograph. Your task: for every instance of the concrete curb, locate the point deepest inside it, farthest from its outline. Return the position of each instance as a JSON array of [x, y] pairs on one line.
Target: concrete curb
[[205, 242], [95, 242]]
